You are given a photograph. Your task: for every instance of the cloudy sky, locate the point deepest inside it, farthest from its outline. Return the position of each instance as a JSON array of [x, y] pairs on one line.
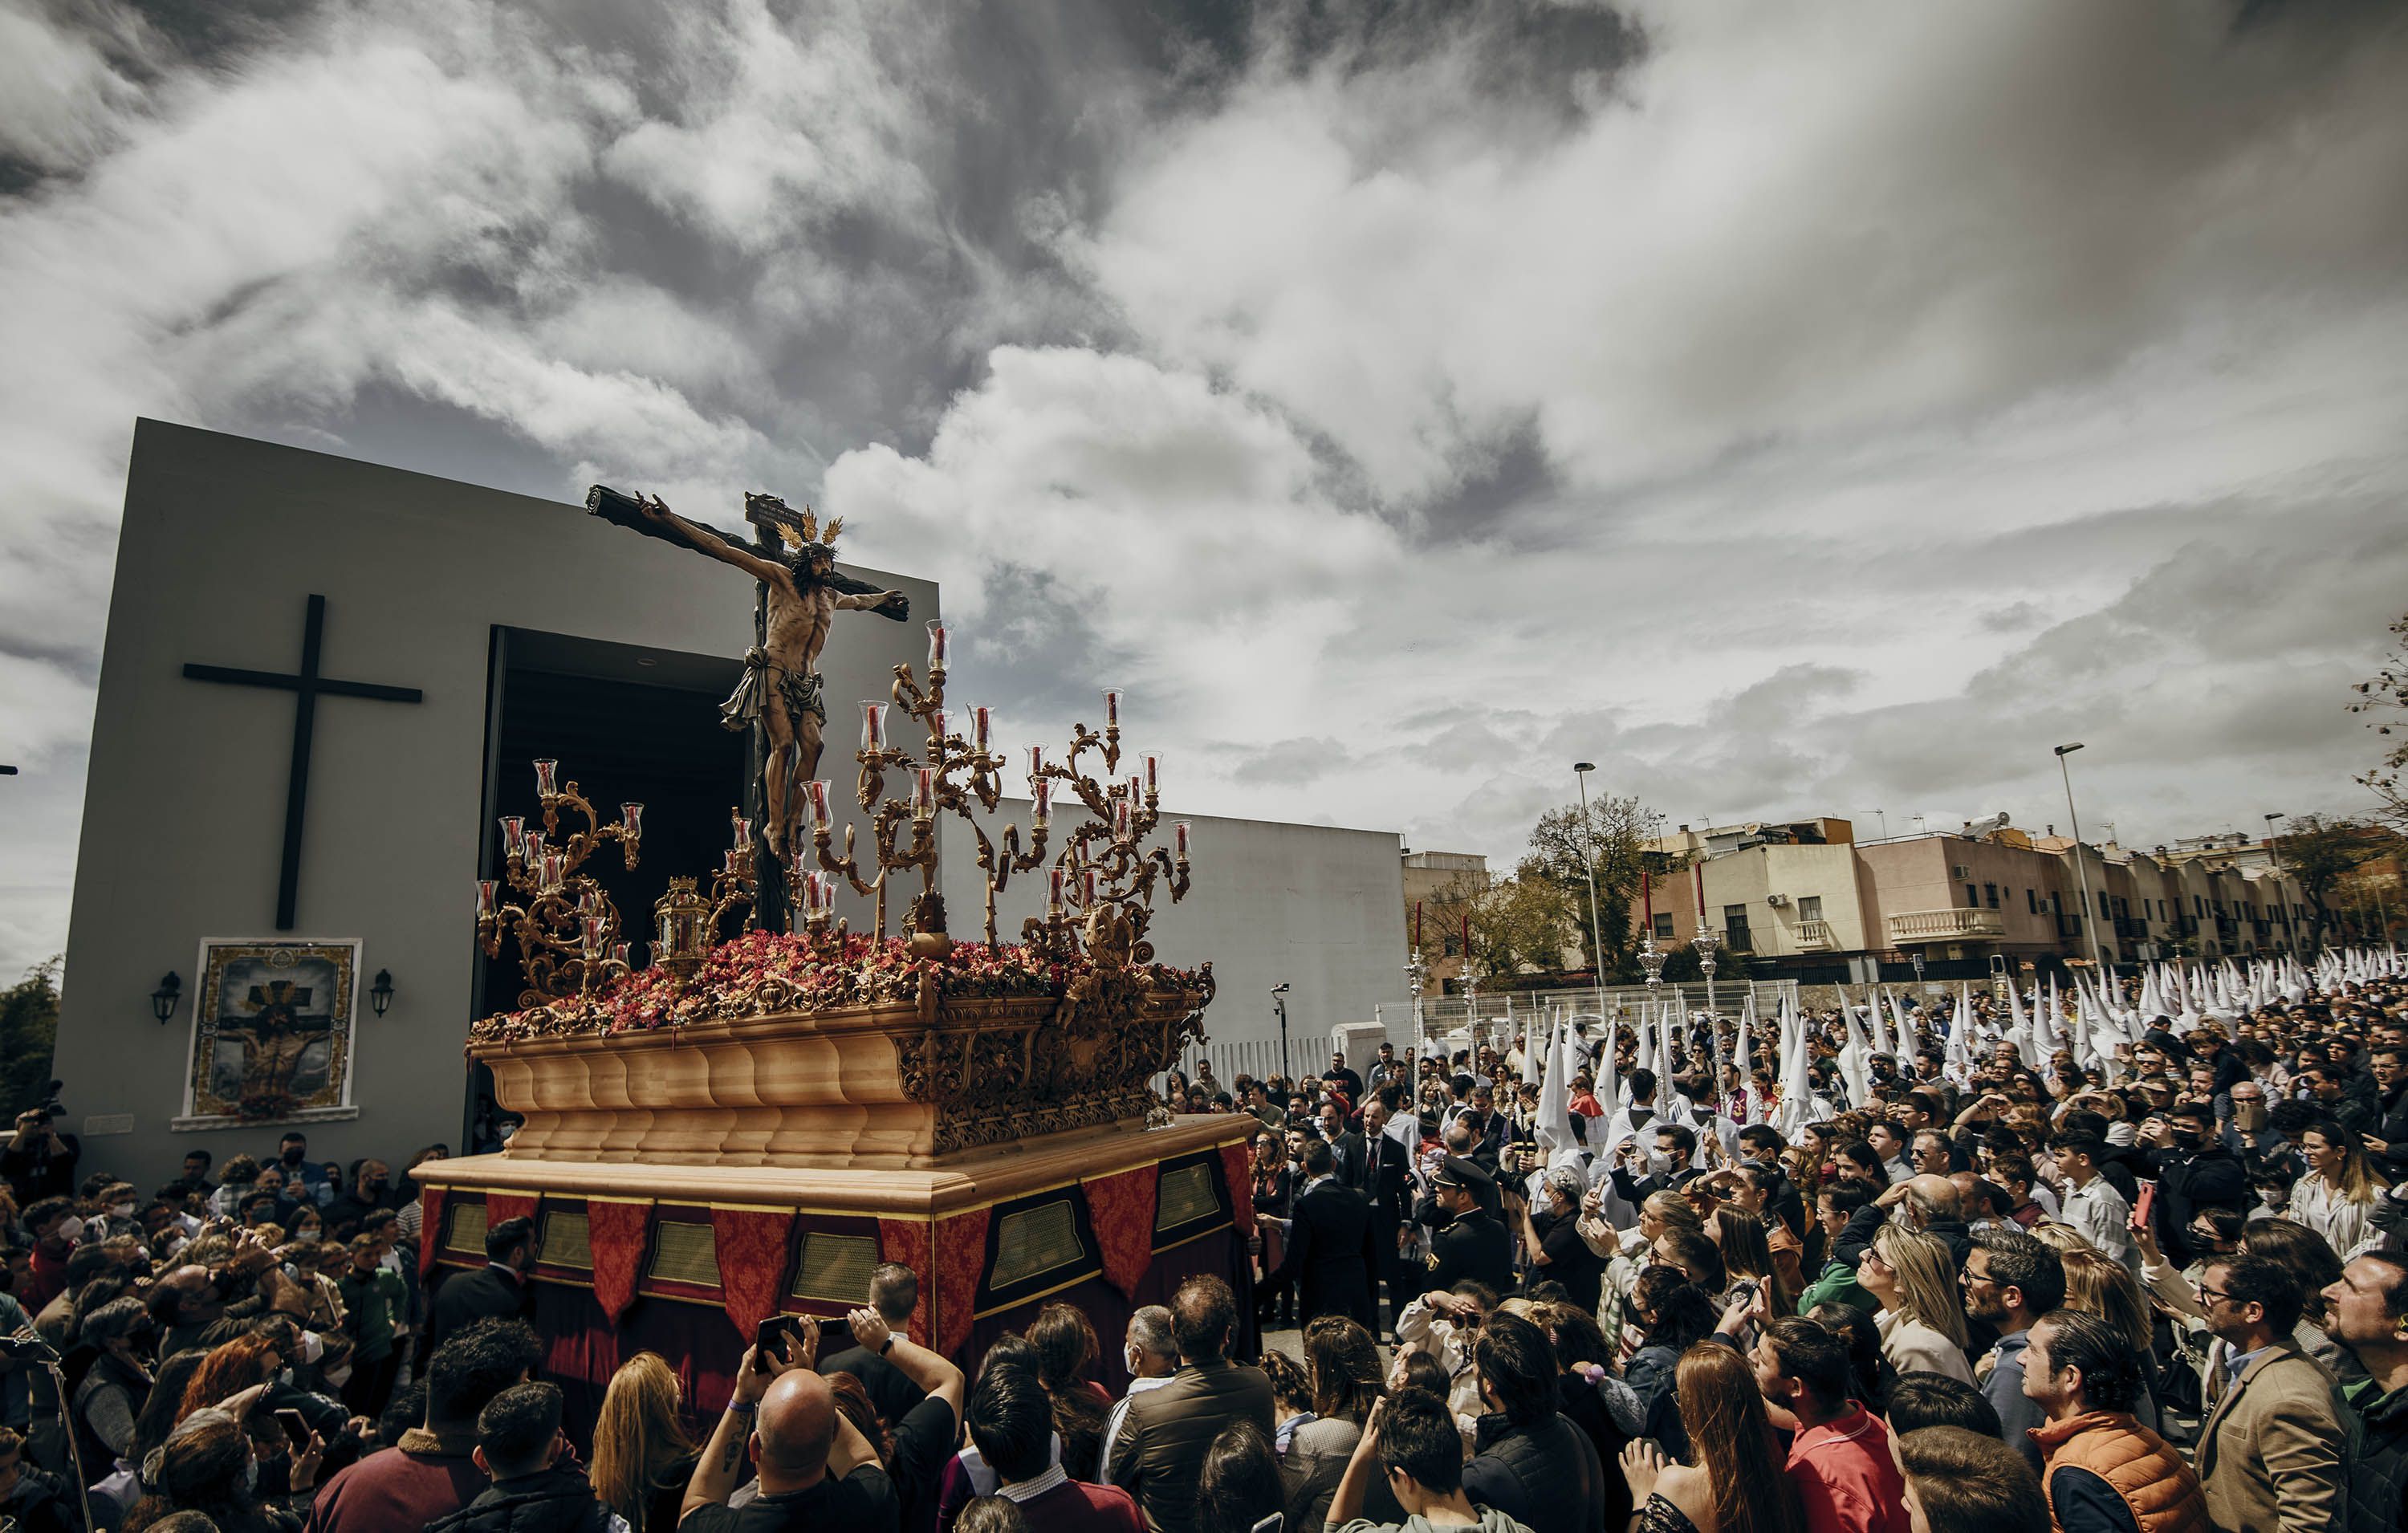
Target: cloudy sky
[[1791, 409]]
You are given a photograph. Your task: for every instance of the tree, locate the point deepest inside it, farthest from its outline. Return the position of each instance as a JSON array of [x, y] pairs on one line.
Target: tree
[[28, 1030], [1610, 843], [2319, 852], [1520, 920], [2384, 694], [1441, 915]]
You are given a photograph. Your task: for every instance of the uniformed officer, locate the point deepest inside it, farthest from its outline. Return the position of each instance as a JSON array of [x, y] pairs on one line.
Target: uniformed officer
[[1474, 1244]]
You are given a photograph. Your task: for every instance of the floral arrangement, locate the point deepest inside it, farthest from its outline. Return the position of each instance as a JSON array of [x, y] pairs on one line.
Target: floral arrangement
[[762, 973]]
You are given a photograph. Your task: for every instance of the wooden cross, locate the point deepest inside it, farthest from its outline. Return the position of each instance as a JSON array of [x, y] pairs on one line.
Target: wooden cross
[[306, 688]]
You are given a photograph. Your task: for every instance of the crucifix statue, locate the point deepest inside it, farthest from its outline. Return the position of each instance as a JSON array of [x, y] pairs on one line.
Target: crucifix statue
[[779, 696]]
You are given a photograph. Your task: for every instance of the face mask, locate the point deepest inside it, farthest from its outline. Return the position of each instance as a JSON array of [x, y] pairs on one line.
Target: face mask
[[2185, 1138], [309, 1236], [293, 1157], [339, 1377], [120, 1211], [72, 1230], [1659, 1162], [285, 1376], [250, 1475], [376, 1188]]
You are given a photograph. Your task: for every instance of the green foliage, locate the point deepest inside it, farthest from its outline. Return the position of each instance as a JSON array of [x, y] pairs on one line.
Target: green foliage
[[2386, 694], [28, 1030], [1520, 920], [2320, 852], [1608, 842]]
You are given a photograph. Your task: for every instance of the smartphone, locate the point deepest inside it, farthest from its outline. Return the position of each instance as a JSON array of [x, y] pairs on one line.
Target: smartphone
[[295, 1426], [1744, 1292], [836, 1336], [776, 1336]]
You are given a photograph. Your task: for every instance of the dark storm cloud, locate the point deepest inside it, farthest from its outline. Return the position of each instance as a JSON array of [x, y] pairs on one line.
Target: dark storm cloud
[[1787, 409]]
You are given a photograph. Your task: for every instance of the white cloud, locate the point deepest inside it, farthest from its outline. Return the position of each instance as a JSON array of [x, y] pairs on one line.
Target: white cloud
[[1820, 408]]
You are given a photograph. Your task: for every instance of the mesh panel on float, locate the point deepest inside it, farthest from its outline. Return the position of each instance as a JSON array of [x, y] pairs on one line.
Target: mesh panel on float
[[835, 1268], [566, 1241], [465, 1229], [1035, 1241], [684, 1252], [1185, 1195]]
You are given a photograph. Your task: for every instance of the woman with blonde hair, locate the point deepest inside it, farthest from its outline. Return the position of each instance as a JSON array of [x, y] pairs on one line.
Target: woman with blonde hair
[[2337, 1198], [1922, 1319], [642, 1453], [2100, 1286]]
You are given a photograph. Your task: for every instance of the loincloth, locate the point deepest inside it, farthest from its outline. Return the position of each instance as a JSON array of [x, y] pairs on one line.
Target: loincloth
[[800, 693]]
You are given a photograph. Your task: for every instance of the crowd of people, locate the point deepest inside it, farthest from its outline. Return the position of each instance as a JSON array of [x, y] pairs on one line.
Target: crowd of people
[[2162, 1293]]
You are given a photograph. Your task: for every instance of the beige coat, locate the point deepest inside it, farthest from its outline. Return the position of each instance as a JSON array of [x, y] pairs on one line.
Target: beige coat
[[2274, 1452]]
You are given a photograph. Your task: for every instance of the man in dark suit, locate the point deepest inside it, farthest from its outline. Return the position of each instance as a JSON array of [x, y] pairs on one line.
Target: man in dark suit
[[1344, 1142], [1386, 1183], [1331, 1256], [498, 1292]]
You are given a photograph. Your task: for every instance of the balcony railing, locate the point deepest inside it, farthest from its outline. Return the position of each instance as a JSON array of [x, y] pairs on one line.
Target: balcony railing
[[1946, 925], [1816, 936]]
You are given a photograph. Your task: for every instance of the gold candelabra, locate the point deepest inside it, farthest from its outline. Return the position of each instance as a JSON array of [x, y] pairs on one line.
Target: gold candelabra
[[1111, 885], [567, 928]]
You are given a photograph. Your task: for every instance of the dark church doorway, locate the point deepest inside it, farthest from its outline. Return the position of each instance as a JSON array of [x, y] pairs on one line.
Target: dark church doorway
[[627, 724]]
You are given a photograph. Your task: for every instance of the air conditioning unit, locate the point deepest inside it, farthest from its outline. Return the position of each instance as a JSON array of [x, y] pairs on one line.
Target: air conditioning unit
[[1961, 871], [1776, 901]]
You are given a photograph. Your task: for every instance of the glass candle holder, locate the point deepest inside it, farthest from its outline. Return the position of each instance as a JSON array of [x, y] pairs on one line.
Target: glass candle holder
[[631, 816], [873, 724], [1040, 801], [513, 835], [817, 791], [547, 776], [487, 890], [939, 644], [1111, 707], [924, 793], [982, 726]]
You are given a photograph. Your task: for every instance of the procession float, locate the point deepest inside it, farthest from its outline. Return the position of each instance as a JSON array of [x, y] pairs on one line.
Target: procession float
[[773, 1104]]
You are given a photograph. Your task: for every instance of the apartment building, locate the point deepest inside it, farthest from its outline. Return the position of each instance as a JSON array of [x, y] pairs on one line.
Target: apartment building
[[1806, 896]]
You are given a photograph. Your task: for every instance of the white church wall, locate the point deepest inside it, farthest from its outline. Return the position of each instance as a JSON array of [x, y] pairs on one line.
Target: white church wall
[[224, 540], [1319, 907]]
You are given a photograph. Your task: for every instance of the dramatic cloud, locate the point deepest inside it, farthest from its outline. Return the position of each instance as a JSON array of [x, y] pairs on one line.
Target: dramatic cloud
[[1810, 411]]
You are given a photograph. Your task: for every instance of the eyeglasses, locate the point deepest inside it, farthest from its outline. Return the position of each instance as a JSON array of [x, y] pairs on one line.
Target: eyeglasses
[[2211, 1295]]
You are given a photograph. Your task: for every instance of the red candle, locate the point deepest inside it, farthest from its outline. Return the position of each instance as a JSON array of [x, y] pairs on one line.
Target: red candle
[[937, 644], [924, 793], [546, 774], [873, 724], [513, 835], [982, 725], [485, 892], [937, 724], [1153, 776], [1041, 798], [1111, 707], [818, 791], [1054, 881], [1179, 841]]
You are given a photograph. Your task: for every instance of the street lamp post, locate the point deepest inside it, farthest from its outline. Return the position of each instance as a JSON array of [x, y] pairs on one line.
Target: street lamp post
[[1588, 870], [1279, 1003], [2081, 870]]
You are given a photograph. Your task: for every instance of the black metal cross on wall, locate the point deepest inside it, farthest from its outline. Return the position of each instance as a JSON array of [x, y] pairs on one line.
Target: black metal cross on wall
[[306, 689]]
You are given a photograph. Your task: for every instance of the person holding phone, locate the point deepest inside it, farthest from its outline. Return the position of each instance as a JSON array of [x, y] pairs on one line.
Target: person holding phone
[[817, 1470]]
